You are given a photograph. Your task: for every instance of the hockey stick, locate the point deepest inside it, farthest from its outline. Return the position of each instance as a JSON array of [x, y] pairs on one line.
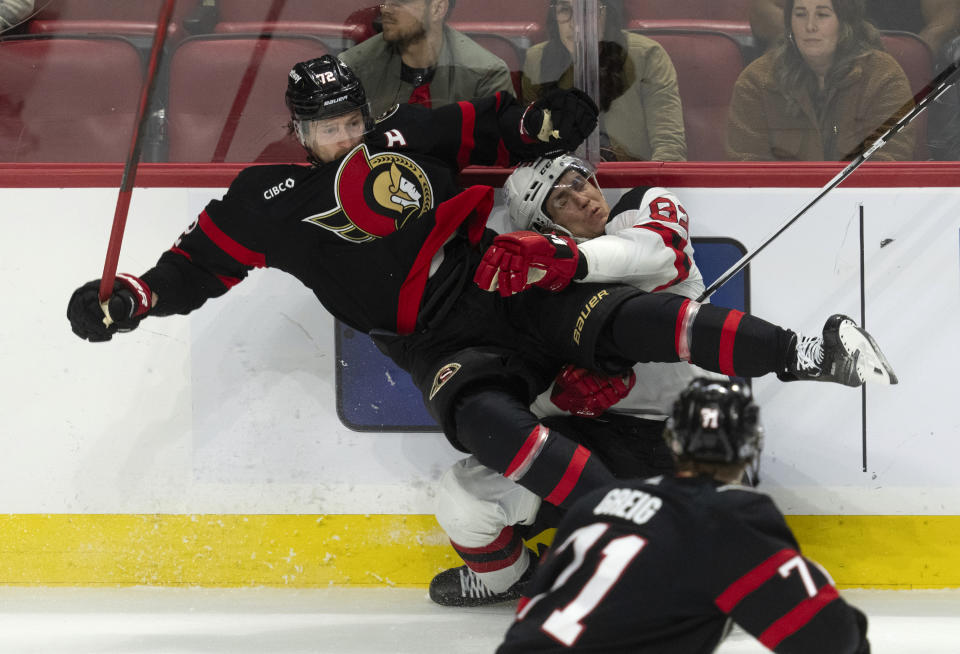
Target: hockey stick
[[926, 95], [130, 168]]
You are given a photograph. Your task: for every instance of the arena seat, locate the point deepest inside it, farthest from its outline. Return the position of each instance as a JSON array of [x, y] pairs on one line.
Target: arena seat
[[708, 64], [505, 48], [522, 21], [133, 19], [226, 96], [728, 16], [914, 56], [340, 24], [68, 99]]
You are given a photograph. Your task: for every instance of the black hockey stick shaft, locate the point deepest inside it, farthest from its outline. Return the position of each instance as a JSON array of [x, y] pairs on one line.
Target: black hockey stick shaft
[[133, 159], [922, 99]]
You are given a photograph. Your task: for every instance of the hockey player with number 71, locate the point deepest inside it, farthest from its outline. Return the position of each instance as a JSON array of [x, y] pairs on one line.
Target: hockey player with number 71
[[666, 565]]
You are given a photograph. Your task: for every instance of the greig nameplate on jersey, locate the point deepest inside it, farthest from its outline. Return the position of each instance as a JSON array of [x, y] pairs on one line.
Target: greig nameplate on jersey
[[395, 190]]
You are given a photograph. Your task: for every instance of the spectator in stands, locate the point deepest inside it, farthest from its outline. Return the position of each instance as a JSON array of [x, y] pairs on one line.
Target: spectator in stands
[[14, 12], [641, 118], [824, 94], [934, 21], [420, 59]]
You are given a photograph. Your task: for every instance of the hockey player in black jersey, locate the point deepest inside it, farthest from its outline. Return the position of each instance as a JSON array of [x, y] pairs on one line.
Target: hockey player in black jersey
[[643, 241], [665, 565], [379, 230]]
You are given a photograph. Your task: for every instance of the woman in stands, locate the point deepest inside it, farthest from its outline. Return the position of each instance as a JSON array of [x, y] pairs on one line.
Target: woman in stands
[[826, 93], [640, 114]]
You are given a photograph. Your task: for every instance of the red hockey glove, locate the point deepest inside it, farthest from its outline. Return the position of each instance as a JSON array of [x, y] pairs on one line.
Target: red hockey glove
[[586, 393], [562, 117], [519, 260], [128, 304]]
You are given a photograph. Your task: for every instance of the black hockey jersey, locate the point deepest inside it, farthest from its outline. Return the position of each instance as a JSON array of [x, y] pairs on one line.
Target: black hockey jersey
[[662, 566], [367, 232]]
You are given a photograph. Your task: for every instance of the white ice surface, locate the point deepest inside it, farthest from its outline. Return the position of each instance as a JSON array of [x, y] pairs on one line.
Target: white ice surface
[[350, 621]]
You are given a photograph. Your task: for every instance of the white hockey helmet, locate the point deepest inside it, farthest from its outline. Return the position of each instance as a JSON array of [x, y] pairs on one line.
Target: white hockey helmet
[[527, 189]]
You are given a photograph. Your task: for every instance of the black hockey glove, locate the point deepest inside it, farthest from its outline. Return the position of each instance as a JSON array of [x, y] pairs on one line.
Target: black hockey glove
[[563, 117], [128, 304]]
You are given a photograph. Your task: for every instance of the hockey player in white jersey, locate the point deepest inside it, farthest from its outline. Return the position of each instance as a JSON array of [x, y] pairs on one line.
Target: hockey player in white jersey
[[644, 241]]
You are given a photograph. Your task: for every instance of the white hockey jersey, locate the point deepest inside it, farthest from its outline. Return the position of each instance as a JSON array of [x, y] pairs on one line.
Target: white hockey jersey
[[647, 245]]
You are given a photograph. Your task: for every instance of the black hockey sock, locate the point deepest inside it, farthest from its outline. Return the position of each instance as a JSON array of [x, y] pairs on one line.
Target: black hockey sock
[[502, 433], [666, 327]]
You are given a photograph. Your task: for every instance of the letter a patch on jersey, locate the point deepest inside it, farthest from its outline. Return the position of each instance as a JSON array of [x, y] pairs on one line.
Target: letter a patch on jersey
[[376, 196]]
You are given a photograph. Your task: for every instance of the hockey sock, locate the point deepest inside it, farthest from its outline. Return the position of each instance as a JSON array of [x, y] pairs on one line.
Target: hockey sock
[[666, 327], [502, 433], [499, 564]]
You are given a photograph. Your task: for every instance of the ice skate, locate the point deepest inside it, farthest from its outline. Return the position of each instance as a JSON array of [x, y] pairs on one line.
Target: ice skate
[[844, 354], [462, 587]]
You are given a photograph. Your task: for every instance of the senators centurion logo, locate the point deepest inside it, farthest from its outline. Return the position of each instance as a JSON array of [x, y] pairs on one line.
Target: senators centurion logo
[[442, 377], [395, 190]]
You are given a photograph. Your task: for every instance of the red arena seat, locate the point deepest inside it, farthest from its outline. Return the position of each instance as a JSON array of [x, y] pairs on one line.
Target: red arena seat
[[226, 96], [521, 21], [123, 17], [68, 99], [340, 24], [708, 64], [505, 48], [728, 16]]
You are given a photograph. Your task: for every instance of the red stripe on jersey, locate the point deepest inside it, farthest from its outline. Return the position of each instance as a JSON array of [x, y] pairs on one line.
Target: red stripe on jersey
[[680, 344], [728, 335], [570, 477], [503, 154], [229, 282], [473, 204], [501, 541], [522, 603], [673, 241], [184, 253], [800, 615], [239, 252], [527, 452], [752, 580], [469, 114]]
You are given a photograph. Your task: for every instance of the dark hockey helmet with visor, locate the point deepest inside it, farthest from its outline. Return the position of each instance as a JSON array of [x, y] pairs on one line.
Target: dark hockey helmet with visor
[[715, 421], [322, 89]]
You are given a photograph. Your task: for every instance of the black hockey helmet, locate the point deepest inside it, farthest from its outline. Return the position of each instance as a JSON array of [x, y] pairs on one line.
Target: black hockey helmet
[[324, 87], [715, 421]]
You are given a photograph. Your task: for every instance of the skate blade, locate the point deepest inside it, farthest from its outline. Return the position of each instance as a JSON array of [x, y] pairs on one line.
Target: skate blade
[[872, 366]]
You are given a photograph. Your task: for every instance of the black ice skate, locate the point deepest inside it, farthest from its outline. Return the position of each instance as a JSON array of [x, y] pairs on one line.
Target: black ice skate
[[462, 587], [844, 354]]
